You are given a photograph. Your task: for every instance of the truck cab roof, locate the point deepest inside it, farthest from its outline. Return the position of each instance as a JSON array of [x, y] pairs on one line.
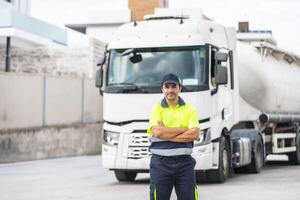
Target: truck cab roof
[[172, 31]]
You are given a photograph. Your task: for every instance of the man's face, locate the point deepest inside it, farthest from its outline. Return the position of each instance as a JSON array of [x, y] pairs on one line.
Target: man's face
[[171, 91]]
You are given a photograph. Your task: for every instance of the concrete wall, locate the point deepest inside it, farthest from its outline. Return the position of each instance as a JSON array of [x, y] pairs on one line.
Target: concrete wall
[[50, 142], [49, 106], [92, 104], [63, 100], [21, 101], [76, 62], [47, 116], [33, 101]]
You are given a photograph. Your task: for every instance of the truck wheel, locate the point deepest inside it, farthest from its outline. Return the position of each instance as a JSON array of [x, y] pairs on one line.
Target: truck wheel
[[220, 175], [125, 176], [294, 157], [257, 161]]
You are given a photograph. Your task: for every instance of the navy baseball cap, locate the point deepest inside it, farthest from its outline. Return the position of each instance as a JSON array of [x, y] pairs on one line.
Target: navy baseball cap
[[170, 78]]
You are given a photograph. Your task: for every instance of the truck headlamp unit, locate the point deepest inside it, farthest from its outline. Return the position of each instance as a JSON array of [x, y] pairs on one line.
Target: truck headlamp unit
[[111, 138]]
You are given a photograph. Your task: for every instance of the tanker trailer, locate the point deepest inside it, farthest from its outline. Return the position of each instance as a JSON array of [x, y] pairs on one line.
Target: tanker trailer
[[269, 99]]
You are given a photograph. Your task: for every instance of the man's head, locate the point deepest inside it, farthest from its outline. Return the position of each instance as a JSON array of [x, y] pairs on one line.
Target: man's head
[[171, 86]]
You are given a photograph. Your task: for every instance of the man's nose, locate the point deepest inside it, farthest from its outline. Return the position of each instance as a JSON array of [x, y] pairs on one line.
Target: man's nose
[[170, 90]]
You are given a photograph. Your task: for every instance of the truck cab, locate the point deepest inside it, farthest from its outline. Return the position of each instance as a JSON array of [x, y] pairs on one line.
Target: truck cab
[[220, 77], [201, 53]]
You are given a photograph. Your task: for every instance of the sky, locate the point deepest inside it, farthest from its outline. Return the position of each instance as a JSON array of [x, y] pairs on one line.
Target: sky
[[280, 16]]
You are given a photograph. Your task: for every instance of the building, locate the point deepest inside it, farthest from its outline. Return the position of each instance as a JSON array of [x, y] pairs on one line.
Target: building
[[96, 18]]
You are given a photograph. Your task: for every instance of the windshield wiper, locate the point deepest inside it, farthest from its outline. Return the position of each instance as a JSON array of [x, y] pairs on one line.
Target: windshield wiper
[[127, 87], [185, 89]]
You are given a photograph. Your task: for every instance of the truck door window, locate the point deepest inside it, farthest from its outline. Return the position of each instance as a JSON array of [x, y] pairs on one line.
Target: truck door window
[[212, 66]]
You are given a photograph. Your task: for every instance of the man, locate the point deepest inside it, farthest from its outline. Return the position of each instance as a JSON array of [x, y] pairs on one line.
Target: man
[[174, 126]]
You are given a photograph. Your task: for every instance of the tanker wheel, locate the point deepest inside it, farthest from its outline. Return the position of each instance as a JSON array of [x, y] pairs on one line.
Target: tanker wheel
[[125, 176], [220, 175], [294, 157], [257, 161]]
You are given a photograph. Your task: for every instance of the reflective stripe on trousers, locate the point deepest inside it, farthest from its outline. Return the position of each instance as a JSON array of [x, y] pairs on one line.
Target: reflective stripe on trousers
[[154, 195]]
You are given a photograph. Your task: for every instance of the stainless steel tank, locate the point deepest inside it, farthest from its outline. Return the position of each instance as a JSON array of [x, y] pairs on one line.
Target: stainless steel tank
[[267, 83]]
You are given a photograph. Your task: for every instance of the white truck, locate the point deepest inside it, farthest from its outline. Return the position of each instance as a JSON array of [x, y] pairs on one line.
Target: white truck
[[245, 88]]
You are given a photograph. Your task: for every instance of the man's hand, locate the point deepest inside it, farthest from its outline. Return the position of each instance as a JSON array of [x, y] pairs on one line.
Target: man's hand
[[162, 132], [175, 134], [187, 136]]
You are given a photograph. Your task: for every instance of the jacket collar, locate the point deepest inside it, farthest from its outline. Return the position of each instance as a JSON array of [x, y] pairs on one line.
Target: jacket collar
[[164, 102]]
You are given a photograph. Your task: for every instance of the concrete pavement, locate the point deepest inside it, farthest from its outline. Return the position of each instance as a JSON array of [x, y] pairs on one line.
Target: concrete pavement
[[83, 178]]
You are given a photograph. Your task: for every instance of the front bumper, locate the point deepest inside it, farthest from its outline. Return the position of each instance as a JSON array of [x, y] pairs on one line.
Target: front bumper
[[111, 159]]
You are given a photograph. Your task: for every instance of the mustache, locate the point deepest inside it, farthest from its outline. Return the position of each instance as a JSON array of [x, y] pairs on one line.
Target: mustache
[[171, 93]]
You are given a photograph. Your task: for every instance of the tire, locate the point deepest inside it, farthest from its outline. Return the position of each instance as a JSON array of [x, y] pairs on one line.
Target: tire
[[294, 157], [125, 176], [220, 175], [257, 161]]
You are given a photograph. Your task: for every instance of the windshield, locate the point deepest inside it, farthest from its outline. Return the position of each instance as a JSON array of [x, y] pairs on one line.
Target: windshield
[[141, 70]]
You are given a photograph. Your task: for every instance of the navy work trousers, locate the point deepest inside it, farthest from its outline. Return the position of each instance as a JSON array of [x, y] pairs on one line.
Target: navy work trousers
[[167, 172]]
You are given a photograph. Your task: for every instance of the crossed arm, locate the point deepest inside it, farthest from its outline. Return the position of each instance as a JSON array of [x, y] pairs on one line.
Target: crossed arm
[[175, 134]]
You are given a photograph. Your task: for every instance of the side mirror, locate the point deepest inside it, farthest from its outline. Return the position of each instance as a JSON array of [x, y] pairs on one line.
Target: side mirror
[[99, 77], [221, 75], [220, 56], [101, 60]]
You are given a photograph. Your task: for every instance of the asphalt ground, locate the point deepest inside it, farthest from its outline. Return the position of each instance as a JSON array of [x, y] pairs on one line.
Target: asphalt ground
[[83, 178]]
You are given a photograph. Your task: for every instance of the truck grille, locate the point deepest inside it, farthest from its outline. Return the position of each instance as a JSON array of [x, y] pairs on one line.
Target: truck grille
[[138, 145], [138, 152], [139, 139]]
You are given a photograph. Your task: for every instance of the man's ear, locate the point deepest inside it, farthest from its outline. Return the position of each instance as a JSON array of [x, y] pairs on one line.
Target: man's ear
[[180, 88]]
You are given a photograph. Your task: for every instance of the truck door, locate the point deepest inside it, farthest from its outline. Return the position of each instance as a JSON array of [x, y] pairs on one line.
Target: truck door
[[221, 94]]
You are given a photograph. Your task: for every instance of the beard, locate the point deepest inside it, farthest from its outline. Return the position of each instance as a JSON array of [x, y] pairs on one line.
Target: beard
[[171, 96]]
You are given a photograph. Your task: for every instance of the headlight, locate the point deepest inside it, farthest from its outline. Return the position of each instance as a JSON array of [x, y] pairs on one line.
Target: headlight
[[111, 138], [205, 138]]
